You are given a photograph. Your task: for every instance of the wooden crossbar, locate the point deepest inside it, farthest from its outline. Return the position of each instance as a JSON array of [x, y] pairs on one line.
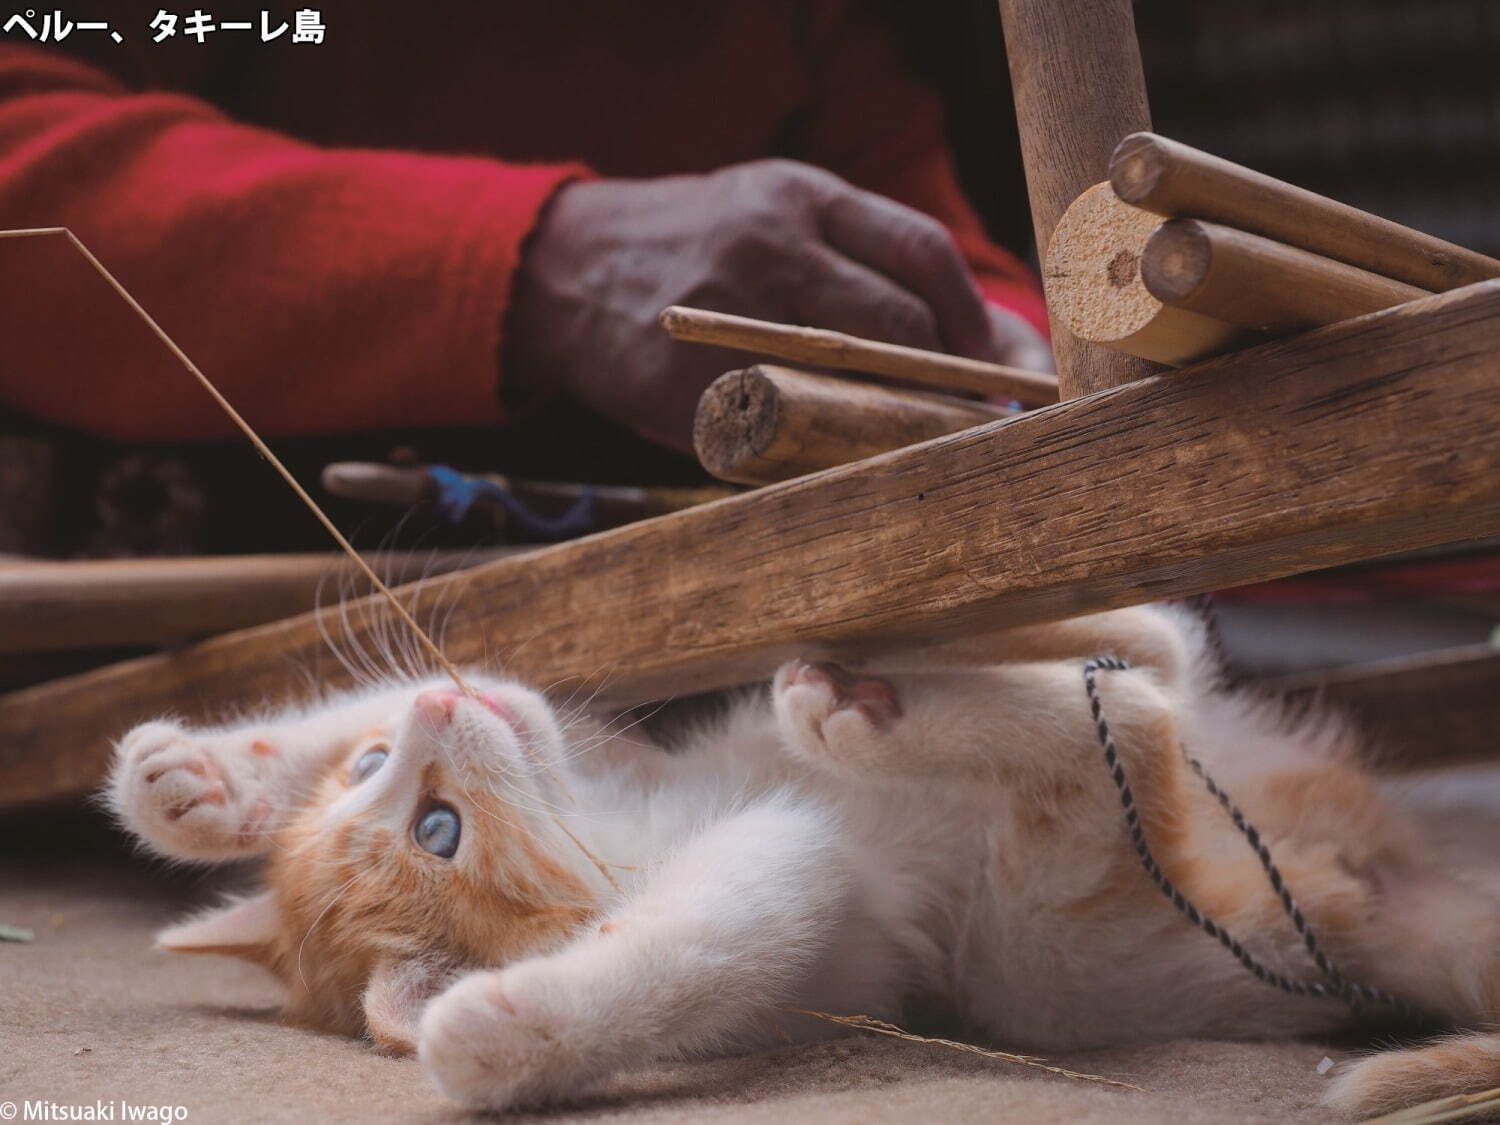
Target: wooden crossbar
[[1352, 441], [1428, 709]]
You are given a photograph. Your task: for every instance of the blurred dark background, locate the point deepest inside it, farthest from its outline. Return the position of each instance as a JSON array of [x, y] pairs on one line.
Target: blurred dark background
[[1390, 105]]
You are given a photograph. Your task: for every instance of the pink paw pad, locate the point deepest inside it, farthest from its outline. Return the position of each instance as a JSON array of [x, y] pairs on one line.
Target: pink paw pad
[[254, 824], [201, 766], [215, 794], [874, 698], [263, 749]]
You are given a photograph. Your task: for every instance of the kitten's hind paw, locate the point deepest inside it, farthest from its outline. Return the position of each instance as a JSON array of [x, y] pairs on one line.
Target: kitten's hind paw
[[828, 711], [177, 792]]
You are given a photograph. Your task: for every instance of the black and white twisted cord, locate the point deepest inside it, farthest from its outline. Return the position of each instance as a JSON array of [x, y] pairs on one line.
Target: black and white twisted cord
[[1335, 984]]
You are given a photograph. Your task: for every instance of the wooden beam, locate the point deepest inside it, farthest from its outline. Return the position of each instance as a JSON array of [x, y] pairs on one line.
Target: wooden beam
[[108, 603], [1359, 439], [1075, 68], [1430, 709]]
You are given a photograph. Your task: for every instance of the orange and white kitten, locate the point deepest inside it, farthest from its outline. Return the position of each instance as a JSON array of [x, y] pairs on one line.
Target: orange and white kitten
[[845, 844]]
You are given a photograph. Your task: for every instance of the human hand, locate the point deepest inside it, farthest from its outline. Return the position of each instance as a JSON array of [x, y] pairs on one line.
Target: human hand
[[773, 239]]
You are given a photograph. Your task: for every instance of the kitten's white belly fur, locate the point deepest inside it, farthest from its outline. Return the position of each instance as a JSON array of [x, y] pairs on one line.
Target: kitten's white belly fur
[[951, 901]]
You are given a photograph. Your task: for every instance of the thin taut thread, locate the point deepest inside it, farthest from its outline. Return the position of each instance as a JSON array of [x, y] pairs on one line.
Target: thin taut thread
[[265, 451], [261, 447]]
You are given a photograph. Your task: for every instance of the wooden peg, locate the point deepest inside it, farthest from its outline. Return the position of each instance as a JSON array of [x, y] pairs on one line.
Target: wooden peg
[[1256, 283], [1169, 178], [768, 424], [1095, 287]]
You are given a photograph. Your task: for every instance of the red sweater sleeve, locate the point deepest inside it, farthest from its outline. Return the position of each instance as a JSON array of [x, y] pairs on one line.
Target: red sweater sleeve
[[875, 124], [320, 289]]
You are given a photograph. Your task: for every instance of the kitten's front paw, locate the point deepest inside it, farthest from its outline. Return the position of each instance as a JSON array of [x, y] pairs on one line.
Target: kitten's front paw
[[829, 711], [186, 798], [492, 1041]]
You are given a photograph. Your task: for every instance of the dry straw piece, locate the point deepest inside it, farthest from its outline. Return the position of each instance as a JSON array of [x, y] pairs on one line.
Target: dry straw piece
[[1458, 1107], [880, 1027], [265, 451]]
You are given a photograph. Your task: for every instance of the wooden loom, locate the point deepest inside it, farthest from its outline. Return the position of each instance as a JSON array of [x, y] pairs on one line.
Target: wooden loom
[[1353, 440]]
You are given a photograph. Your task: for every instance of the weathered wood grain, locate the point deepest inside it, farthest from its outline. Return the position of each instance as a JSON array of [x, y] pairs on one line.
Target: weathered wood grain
[[1360, 439], [768, 423], [1258, 283], [1075, 68]]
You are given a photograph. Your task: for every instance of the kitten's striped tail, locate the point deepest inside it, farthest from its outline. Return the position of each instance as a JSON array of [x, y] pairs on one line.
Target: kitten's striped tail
[[1394, 1080]]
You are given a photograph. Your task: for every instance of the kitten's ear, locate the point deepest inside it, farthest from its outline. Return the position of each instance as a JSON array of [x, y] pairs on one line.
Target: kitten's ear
[[399, 989], [244, 928]]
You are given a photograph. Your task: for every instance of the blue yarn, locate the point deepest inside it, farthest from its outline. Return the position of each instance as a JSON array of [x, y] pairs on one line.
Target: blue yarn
[[458, 492]]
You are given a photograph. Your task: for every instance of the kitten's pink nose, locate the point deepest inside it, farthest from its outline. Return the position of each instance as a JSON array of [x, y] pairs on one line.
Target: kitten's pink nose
[[436, 706]]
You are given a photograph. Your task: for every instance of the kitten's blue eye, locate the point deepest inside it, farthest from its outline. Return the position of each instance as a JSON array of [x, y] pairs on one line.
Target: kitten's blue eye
[[437, 832], [368, 763]]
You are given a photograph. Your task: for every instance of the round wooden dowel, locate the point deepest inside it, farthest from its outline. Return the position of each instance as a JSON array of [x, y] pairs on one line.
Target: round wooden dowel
[[768, 423], [104, 603], [1169, 178], [1094, 286], [1257, 283], [613, 504]]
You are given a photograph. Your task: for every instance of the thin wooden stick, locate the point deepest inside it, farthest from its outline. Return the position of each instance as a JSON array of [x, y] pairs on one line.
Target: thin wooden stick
[[851, 353], [1258, 283], [613, 504], [1169, 178]]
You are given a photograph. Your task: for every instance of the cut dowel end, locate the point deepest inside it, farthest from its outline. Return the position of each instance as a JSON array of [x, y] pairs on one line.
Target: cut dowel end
[[736, 422], [1137, 166], [1094, 286], [671, 317], [1176, 259], [386, 484]]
